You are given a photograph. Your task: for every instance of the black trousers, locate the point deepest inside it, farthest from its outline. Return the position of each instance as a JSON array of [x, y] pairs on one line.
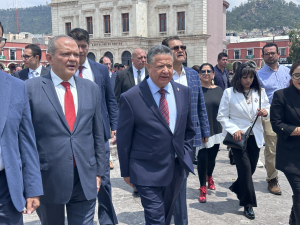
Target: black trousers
[[246, 161], [294, 181], [206, 162]]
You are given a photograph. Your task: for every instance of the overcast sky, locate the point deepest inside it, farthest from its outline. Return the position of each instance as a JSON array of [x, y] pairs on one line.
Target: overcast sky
[[4, 4]]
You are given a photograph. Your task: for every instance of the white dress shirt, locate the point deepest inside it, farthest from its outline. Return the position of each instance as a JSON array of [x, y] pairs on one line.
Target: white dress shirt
[[87, 72], [60, 90], [135, 74], [35, 73], [170, 97], [180, 79]]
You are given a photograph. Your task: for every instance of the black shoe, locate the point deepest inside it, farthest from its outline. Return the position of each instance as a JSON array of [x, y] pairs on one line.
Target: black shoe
[[248, 212]]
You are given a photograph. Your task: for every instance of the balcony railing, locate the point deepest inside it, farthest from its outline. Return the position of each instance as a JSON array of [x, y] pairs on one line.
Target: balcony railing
[[249, 56]]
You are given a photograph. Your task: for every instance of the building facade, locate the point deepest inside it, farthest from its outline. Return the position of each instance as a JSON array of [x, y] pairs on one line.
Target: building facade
[[117, 27], [250, 50]]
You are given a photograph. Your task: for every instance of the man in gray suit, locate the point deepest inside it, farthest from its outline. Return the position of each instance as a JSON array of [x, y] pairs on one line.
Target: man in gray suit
[[32, 60], [20, 178], [66, 115]]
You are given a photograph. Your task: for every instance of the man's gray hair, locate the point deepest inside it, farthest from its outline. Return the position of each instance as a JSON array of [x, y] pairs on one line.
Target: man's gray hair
[[52, 43], [158, 50]]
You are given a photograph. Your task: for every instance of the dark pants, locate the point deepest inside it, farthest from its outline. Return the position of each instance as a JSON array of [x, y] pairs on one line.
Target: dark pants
[[206, 162], [246, 161], [294, 181], [159, 202], [80, 211], [8, 213], [106, 211]]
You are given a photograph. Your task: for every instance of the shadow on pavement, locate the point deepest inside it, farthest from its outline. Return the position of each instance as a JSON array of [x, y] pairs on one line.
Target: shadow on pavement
[[132, 218]]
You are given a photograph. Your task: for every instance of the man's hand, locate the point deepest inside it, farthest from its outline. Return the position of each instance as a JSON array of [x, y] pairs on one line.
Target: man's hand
[[127, 180], [31, 205], [98, 183], [204, 140], [113, 137]]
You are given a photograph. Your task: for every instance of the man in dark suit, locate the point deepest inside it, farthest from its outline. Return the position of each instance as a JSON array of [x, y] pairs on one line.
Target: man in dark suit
[[66, 115], [155, 134], [98, 73], [31, 57], [221, 73], [132, 76], [20, 177], [189, 78]]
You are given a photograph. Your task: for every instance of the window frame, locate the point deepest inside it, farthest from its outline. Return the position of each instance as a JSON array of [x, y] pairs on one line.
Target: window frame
[[105, 19], [162, 21], [181, 21], [66, 27], [89, 24], [125, 28], [239, 53]]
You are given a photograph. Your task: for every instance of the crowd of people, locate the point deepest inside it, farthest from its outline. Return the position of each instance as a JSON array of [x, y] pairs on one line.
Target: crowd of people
[[55, 129]]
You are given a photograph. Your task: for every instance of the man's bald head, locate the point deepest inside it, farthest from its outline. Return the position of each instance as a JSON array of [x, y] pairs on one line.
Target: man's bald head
[[139, 58]]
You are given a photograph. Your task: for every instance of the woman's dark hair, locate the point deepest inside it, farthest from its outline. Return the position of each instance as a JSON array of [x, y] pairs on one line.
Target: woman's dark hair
[[294, 66], [206, 64], [197, 68], [243, 70]]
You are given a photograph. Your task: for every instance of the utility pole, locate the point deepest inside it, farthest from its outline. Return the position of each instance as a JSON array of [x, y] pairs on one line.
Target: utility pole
[[17, 17]]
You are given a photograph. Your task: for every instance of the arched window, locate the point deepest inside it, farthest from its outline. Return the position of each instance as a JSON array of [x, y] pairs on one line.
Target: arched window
[[111, 57], [126, 58], [91, 56]]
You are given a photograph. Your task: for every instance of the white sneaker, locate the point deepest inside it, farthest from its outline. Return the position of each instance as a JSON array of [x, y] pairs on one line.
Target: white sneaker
[[259, 164]]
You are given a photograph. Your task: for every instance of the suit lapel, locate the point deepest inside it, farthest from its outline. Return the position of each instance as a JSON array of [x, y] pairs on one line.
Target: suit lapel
[[96, 73], [241, 100], [178, 101], [148, 98], [188, 77], [5, 89], [49, 90], [24, 74], [130, 76], [44, 71], [255, 101], [295, 99], [80, 97]]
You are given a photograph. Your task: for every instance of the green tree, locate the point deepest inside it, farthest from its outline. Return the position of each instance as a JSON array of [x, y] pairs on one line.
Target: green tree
[[294, 45], [229, 66]]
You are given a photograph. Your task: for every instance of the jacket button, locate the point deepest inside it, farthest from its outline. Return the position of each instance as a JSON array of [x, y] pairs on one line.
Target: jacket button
[[70, 157], [251, 121], [281, 128]]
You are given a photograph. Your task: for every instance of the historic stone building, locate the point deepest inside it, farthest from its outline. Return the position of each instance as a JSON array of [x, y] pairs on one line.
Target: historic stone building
[[117, 27]]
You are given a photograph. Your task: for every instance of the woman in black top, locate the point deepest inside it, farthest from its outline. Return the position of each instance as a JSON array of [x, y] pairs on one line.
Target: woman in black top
[[285, 120], [207, 153]]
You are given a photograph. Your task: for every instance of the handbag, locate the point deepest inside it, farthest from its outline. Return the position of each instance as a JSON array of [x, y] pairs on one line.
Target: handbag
[[242, 144]]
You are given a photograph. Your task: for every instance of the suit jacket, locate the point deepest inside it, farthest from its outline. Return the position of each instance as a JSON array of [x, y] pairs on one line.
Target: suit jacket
[[56, 144], [219, 78], [199, 114], [23, 74], [146, 145], [285, 117], [109, 107], [125, 81], [17, 142], [113, 80], [234, 114]]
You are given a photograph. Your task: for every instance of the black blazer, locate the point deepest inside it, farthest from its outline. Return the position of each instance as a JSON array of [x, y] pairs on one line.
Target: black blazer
[[125, 81], [285, 117], [23, 74]]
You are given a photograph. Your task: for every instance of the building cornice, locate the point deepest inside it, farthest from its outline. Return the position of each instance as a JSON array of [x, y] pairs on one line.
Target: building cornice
[[164, 6], [180, 6], [124, 7], [62, 3], [226, 4]]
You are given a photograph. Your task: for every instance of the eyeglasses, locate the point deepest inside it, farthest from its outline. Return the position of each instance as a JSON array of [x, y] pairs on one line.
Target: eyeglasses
[[205, 71], [270, 53], [2, 42], [107, 64], [176, 47], [296, 76], [26, 57]]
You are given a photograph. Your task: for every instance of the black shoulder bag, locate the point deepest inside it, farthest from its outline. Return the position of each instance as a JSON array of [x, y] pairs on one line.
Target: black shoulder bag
[[242, 144]]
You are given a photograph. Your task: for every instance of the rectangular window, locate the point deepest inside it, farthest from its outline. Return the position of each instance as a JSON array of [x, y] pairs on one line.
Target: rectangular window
[[107, 24], [125, 22], [236, 54], [162, 22], [12, 54], [282, 51], [250, 52], [68, 28], [181, 20], [89, 22]]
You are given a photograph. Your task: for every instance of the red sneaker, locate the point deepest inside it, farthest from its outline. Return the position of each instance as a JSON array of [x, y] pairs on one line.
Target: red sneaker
[[210, 182], [202, 197]]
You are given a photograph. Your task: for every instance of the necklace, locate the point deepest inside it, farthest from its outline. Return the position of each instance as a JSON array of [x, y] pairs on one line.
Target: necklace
[[248, 97]]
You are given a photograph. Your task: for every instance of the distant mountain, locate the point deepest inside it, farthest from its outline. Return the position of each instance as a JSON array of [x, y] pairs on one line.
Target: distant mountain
[[262, 14], [35, 20]]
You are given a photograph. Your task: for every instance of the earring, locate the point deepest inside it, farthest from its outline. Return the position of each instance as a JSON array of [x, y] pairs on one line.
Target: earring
[[212, 82], [291, 82]]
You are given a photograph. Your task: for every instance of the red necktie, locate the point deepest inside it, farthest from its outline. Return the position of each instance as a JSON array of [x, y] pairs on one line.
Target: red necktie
[[80, 70], [70, 113], [163, 105]]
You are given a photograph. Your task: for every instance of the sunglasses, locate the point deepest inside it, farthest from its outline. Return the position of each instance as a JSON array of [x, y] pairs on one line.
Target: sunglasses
[[205, 71], [176, 47]]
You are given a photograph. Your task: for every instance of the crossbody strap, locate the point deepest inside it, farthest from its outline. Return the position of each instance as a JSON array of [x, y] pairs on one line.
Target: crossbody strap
[[256, 116]]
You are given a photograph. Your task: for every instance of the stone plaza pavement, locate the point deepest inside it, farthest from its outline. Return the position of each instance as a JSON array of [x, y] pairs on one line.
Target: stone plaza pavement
[[222, 207]]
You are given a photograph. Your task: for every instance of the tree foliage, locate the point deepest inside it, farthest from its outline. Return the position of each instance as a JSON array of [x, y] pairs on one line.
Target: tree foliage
[[35, 20], [295, 45], [262, 14], [229, 66]]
